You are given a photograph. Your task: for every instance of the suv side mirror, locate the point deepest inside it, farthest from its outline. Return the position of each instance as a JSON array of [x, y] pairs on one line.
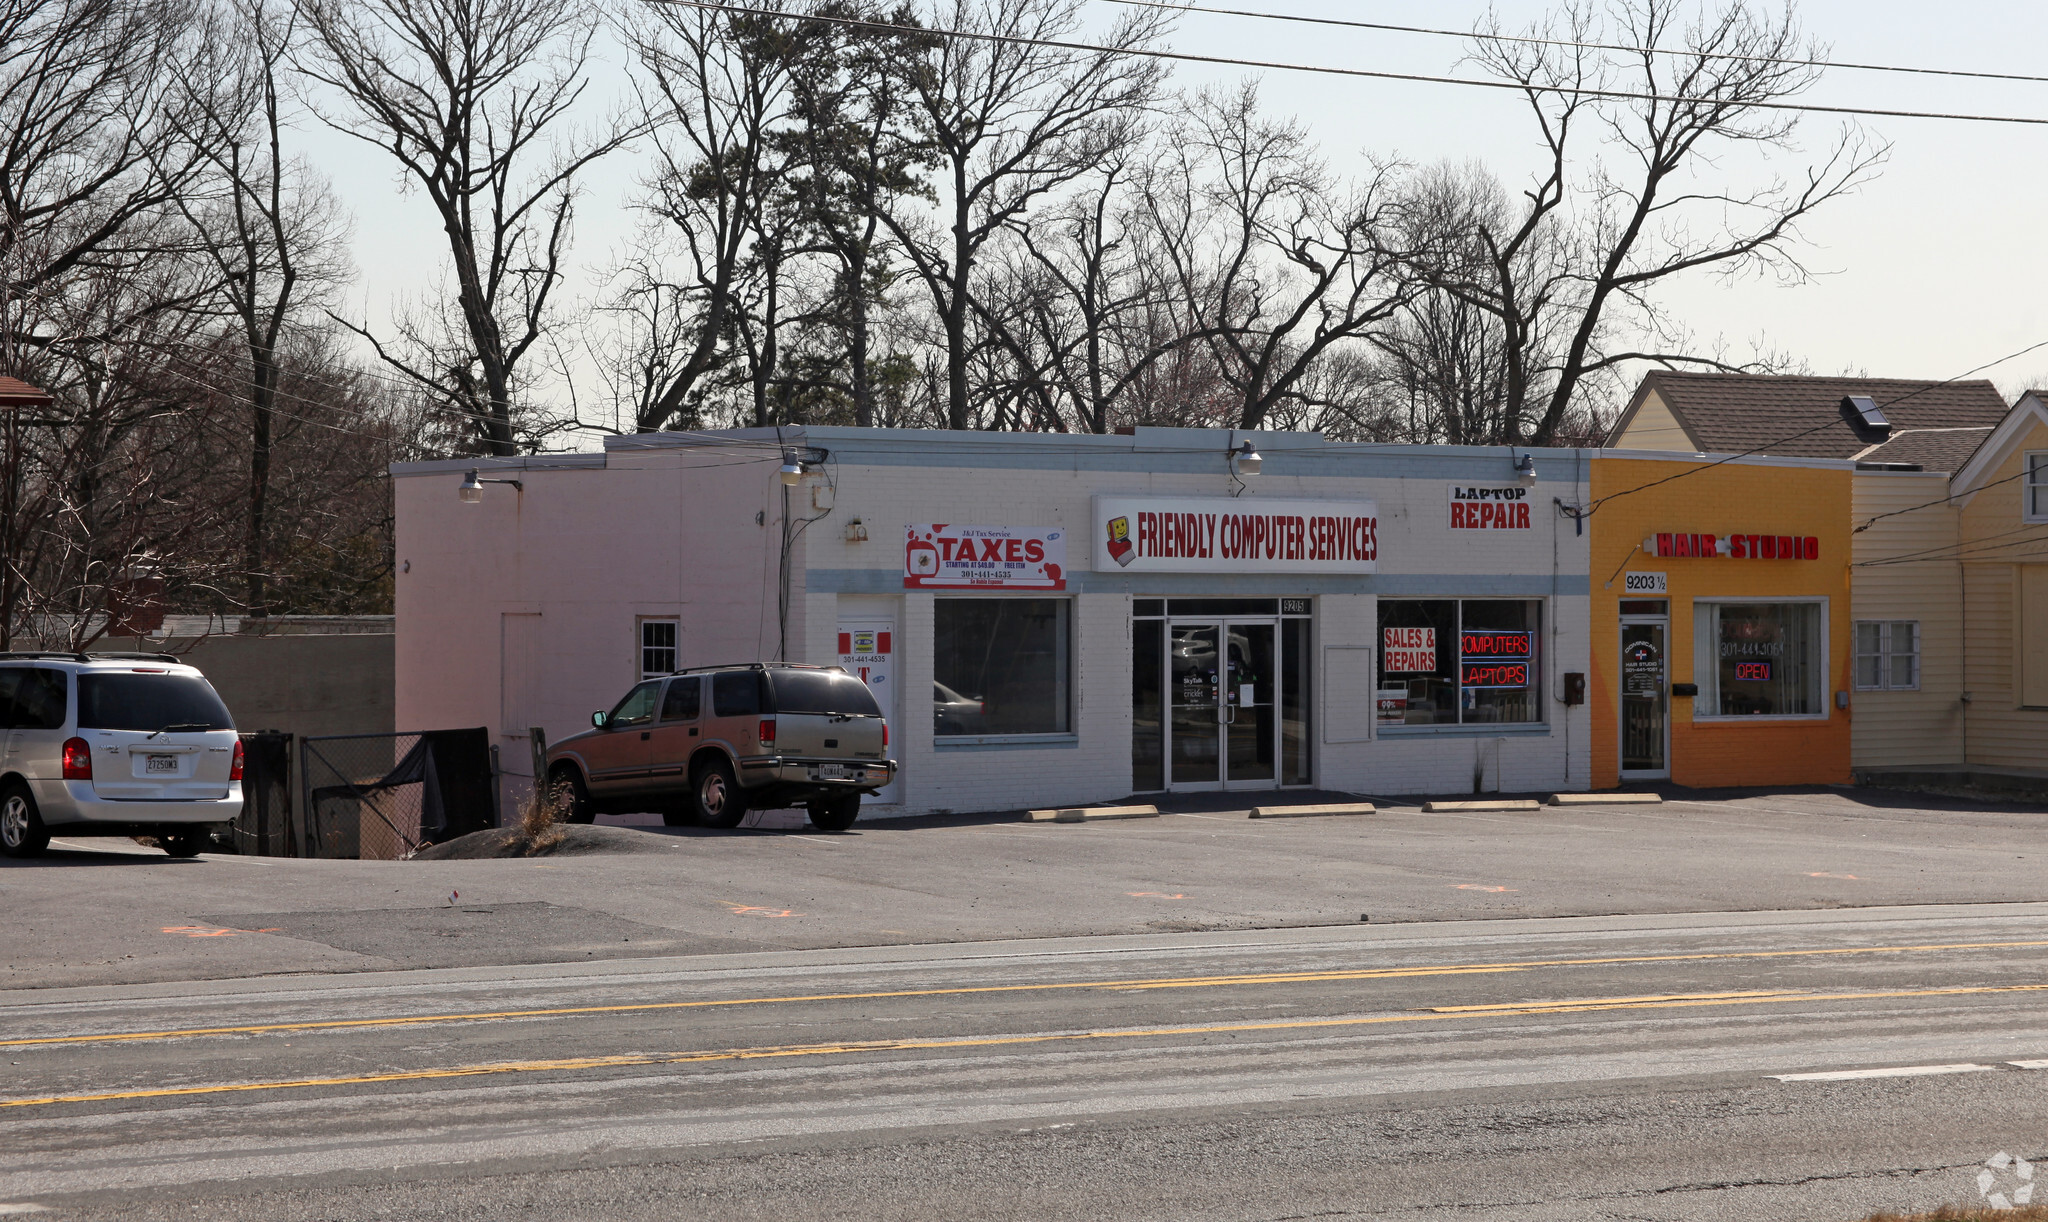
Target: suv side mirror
[[597, 719]]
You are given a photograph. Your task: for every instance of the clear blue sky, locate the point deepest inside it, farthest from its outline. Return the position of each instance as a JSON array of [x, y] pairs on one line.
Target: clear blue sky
[[1933, 269]]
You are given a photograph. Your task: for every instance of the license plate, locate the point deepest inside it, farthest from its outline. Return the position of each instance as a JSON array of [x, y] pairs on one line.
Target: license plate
[[831, 772], [161, 763]]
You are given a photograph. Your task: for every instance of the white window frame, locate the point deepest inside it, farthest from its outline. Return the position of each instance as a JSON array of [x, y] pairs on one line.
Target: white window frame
[[2034, 486], [675, 627], [1888, 651], [1707, 659]]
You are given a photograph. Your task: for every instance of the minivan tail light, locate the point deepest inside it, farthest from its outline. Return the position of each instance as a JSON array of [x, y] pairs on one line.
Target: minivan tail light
[[235, 772], [77, 760], [767, 729], [885, 736]]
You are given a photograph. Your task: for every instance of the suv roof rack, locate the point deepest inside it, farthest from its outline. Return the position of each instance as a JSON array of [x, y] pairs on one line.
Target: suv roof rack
[[79, 655], [699, 670]]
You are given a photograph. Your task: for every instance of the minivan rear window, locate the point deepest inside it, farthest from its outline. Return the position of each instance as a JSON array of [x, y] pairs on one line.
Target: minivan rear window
[[149, 702], [823, 691]]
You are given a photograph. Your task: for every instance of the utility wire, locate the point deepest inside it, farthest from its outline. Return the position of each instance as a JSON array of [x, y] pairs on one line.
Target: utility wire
[[1963, 548], [1590, 509], [1355, 73], [1527, 40]]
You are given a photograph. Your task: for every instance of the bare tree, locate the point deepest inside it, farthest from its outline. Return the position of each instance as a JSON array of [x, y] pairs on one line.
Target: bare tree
[[101, 299], [266, 222], [1281, 265], [1012, 121], [468, 97], [1578, 259], [717, 88]]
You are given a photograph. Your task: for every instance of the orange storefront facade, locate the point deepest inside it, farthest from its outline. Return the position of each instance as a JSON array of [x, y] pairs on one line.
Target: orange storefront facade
[[1721, 650]]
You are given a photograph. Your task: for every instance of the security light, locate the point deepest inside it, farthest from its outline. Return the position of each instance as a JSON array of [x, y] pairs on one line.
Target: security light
[[1245, 460], [792, 472], [1525, 469], [471, 489]]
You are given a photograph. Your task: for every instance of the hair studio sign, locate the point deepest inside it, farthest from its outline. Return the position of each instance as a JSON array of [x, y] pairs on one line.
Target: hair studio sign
[[1679, 546]]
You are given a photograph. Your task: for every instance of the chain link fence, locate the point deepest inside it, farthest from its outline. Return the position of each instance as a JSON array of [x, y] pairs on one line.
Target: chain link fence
[[384, 796]]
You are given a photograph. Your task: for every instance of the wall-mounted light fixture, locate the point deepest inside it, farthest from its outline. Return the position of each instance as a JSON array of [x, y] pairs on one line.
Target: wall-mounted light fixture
[[1525, 469], [471, 490], [856, 531], [798, 463], [1245, 460]]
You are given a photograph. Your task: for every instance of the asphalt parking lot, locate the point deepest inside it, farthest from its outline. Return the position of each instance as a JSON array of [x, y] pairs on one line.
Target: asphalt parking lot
[[108, 912]]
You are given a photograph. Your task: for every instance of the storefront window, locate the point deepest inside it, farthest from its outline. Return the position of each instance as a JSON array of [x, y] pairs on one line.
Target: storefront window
[[1148, 720], [1295, 763], [1760, 659], [1447, 662], [1001, 666]]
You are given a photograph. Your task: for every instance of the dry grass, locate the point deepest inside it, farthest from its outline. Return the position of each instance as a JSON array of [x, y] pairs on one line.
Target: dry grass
[[540, 826], [1969, 1213]]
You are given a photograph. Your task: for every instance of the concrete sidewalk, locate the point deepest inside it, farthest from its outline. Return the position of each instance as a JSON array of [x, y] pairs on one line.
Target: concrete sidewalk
[[97, 913]]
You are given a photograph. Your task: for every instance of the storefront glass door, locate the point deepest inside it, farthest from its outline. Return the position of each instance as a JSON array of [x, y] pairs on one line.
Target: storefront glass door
[[1224, 692], [1645, 700]]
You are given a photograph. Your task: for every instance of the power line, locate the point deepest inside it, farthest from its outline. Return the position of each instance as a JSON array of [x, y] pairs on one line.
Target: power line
[[1355, 73], [1589, 510], [1527, 40], [1964, 553], [1957, 550]]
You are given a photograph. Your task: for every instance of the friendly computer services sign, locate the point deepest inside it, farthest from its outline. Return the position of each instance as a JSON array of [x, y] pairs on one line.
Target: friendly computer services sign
[[1143, 534]]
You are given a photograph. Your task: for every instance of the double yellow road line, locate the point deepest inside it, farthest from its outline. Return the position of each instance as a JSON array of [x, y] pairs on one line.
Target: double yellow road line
[[849, 1048], [1170, 982]]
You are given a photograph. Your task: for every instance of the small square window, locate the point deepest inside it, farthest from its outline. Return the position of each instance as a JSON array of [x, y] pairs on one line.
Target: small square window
[[658, 647], [2034, 492], [1888, 655]]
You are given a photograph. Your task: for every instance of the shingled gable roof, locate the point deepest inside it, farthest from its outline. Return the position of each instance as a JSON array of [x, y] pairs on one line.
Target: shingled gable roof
[[15, 392], [1801, 417]]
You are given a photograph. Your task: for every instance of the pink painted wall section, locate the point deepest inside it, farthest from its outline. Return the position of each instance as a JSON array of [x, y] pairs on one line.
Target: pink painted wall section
[[591, 552]]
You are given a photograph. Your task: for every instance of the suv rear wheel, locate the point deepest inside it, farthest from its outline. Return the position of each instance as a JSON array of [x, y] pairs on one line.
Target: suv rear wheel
[[717, 795], [836, 813], [22, 833]]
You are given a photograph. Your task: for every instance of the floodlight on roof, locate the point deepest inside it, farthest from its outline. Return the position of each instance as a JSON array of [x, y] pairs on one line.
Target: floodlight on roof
[[1862, 410]]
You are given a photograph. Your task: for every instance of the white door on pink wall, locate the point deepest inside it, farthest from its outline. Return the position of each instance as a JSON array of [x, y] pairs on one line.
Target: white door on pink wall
[[519, 675], [867, 648]]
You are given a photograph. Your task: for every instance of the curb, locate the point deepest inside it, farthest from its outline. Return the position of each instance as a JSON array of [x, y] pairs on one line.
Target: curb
[[1502, 804], [1606, 799], [1094, 814], [1305, 812]]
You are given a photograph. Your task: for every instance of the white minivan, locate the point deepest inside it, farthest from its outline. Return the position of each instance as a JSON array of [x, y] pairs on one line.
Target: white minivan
[[113, 745]]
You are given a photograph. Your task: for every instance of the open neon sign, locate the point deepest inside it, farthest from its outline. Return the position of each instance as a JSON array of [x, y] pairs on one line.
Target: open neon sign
[[1753, 672]]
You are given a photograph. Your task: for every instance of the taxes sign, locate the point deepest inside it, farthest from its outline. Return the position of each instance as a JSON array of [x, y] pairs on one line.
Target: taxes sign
[[945, 556]]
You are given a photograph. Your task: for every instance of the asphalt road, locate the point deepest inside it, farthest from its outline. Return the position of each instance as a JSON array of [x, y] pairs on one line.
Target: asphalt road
[[1591, 1068], [110, 912]]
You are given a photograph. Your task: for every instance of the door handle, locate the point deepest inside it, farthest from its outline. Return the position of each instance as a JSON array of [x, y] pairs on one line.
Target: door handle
[[645, 735]]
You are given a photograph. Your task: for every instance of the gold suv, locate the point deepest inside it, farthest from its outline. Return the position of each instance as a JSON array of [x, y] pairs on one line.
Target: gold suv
[[708, 745]]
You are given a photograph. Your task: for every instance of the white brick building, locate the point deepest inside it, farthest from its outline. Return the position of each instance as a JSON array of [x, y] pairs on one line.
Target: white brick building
[[1370, 619]]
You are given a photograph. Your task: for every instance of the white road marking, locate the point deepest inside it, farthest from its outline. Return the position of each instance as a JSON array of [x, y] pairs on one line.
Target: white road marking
[[22, 1208], [1898, 1071], [2028, 1064]]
